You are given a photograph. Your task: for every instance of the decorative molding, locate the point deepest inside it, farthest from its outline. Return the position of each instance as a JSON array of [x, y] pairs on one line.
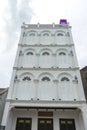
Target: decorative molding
[[55, 81], [54, 54], [75, 81], [36, 80], [37, 54]]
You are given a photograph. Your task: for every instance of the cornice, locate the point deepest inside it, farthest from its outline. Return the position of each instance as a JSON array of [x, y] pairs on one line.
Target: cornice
[[46, 69], [49, 45]]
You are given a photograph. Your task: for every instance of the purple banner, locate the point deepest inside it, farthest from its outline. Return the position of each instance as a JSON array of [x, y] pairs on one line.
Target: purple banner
[[63, 21]]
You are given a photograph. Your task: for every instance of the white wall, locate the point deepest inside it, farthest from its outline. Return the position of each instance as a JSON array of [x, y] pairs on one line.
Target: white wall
[[47, 90], [53, 59], [34, 115]]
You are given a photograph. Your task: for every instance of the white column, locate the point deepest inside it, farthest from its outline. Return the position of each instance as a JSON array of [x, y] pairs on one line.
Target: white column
[[34, 120], [37, 59], [5, 115], [56, 121], [54, 60], [16, 85], [84, 115], [56, 85], [20, 61], [36, 81]]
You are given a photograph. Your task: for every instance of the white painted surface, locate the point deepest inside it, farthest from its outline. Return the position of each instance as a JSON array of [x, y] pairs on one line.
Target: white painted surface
[[53, 93], [57, 115]]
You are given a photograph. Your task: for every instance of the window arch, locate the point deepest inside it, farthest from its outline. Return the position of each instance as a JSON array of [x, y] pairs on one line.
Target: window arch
[[29, 53], [60, 34], [64, 79], [45, 34], [26, 78], [45, 53], [45, 78], [32, 34], [62, 53]]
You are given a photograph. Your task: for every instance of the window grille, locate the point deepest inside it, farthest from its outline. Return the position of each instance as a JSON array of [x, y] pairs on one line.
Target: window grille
[[60, 34], [45, 34], [26, 78], [45, 79], [45, 53], [62, 53], [64, 79], [29, 53], [32, 34]]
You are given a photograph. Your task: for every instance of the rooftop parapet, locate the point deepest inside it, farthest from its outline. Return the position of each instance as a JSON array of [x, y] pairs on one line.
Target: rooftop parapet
[[63, 24]]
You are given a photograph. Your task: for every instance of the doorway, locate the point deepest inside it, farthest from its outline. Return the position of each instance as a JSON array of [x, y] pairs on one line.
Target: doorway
[[45, 124], [23, 124], [67, 124]]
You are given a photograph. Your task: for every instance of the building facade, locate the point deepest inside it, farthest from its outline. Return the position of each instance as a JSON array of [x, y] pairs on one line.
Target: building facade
[[3, 95], [46, 91], [83, 72]]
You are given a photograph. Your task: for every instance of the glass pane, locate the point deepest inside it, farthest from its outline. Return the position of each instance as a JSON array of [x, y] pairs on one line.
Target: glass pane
[[45, 124], [42, 121], [67, 124], [23, 124]]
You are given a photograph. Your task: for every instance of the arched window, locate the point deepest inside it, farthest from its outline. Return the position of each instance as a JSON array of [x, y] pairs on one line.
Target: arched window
[[60, 34], [45, 34], [32, 34], [64, 79], [62, 53], [45, 78], [29, 53], [26, 78], [45, 53]]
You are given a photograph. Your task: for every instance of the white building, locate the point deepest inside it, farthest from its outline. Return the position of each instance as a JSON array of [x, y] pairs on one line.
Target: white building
[[46, 91]]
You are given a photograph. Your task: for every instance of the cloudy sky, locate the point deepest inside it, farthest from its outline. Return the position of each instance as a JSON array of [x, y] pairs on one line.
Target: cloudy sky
[[14, 12]]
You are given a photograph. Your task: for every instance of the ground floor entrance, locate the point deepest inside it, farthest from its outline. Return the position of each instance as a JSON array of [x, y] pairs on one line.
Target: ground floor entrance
[[44, 124], [45, 120]]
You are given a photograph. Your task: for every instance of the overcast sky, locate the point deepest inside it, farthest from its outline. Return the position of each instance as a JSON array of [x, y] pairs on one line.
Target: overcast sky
[[14, 12]]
